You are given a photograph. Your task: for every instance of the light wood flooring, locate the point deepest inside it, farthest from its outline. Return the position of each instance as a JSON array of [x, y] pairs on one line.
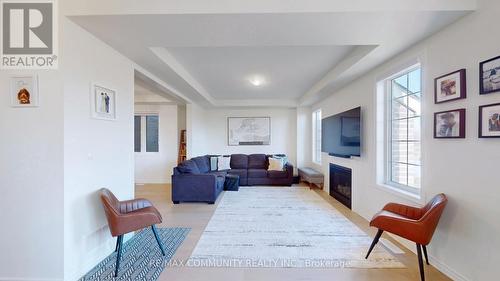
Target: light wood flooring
[[197, 215]]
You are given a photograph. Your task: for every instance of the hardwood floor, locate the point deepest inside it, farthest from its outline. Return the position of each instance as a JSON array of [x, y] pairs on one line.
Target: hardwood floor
[[197, 215]]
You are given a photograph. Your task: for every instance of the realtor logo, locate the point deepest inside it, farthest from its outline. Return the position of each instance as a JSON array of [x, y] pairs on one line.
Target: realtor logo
[[28, 37]]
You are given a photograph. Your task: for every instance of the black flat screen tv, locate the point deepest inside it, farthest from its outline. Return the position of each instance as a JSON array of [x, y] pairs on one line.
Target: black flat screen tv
[[341, 134]]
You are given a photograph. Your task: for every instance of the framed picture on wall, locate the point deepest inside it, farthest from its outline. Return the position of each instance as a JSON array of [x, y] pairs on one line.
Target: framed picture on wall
[[451, 86], [489, 121], [249, 130], [449, 124], [103, 102], [24, 91], [489, 76]]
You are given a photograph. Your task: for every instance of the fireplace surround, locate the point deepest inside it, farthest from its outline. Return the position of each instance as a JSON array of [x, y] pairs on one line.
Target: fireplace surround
[[341, 184]]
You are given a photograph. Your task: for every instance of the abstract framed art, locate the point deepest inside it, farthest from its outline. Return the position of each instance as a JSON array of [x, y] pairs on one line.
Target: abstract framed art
[[249, 130]]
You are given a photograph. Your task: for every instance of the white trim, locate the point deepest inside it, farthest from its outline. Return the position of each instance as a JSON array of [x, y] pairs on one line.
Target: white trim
[[383, 97], [447, 270]]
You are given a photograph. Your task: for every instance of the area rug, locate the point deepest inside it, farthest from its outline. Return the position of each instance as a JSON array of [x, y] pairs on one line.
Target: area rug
[[284, 227], [141, 257]]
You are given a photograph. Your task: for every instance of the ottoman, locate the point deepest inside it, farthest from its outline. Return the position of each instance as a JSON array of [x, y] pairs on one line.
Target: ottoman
[[311, 176], [232, 182]]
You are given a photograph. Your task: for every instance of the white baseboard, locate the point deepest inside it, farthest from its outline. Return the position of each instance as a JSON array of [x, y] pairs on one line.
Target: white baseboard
[[446, 270]]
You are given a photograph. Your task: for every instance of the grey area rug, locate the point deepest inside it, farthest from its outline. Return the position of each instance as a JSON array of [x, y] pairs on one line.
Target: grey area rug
[[284, 227], [141, 257]]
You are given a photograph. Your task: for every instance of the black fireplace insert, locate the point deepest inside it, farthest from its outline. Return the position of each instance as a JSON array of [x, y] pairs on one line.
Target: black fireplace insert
[[340, 184]]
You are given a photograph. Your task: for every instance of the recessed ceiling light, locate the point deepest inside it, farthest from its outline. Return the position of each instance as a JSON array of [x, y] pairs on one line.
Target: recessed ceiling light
[[257, 81]]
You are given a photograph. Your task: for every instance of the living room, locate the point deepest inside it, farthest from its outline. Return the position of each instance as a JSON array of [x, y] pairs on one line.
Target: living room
[[289, 69]]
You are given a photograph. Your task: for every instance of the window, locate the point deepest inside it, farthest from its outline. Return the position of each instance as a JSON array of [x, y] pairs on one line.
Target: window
[[316, 141], [146, 128], [404, 130]]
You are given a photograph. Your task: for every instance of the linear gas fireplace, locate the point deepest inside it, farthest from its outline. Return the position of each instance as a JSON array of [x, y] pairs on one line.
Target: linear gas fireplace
[[340, 184]]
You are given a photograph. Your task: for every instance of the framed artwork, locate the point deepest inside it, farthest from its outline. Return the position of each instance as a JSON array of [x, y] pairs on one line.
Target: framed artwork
[[449, 124], [103, 102], [489, 121], [451, 86], [489, 76], [24, 91], [249, 130]]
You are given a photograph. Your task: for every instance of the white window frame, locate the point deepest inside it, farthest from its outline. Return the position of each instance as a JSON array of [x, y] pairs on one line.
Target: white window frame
[[316, 133], [143, 116], [406, 190]]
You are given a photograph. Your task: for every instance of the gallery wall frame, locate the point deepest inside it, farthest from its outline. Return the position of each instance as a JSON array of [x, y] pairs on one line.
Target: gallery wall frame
[[450, 124], [489, 121], [489, 76], [450, 87]]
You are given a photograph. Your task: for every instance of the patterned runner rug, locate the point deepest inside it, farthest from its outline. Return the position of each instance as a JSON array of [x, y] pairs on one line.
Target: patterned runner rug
[[141, 257], [284, 227]]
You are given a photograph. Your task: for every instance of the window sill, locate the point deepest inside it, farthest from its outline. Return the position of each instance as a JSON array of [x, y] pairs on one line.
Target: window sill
[[416, 198]]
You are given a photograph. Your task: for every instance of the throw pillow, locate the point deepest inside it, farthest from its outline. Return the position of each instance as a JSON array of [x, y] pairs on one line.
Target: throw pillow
[[223, 163], [275, 164], [213, 163]]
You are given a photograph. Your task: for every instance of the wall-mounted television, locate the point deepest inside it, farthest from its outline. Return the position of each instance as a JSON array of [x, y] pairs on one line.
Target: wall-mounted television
[[341, 134]]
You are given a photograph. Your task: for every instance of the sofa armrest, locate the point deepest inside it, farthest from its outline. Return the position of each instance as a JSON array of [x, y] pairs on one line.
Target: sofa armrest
[[194, 187], [289, 169]]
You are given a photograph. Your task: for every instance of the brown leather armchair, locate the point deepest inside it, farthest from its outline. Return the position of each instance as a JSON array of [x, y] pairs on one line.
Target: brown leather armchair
[[127, 216], [415, 224]]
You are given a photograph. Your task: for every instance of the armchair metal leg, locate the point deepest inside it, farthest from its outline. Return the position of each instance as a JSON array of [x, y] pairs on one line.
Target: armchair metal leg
[[425, 254], [119, 246], [117, 243], [153, 227], [375, 241], [420, 263]]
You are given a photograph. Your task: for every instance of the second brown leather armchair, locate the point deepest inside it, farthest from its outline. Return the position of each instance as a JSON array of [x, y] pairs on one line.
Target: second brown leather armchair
[[415, 224]]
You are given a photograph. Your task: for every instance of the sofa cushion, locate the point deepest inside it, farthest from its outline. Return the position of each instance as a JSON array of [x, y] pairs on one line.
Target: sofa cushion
[[277, 174], [239, 161], [257, 161], [188, 167], [257, 173], [218, 173], [240, 172], [276, 164], [203, 163], [223, 163]]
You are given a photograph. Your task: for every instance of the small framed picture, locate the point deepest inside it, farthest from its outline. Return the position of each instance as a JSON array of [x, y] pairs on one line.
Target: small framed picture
[[451, 86], [103, 102], [489, 76], [489, 121], [449, 124], [24, 91]]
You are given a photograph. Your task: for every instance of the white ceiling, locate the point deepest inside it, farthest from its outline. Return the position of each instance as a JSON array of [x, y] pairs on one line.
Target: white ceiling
[[207, 57], [288, 71]]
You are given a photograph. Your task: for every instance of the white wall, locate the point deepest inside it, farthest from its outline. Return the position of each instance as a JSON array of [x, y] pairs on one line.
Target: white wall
[[157, 167], [304, 140], [466, 243], [215, 140], [195, 130], [97, 153], [31, 182]]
